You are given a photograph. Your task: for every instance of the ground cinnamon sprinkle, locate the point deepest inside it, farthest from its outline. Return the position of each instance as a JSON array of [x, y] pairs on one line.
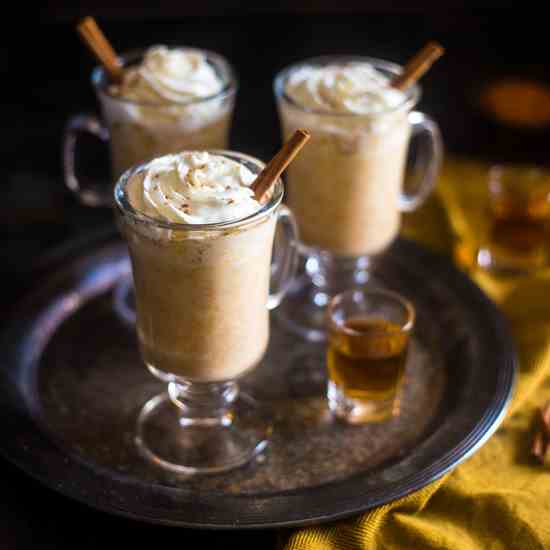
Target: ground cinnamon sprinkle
[[518, 102]]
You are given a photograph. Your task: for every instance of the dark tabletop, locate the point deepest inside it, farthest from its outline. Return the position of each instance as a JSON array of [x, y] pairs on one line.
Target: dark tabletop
[[41, 89]]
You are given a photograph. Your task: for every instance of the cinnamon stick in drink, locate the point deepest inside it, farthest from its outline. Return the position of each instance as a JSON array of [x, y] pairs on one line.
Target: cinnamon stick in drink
[[100, 47], [418, 66], [276, 166]]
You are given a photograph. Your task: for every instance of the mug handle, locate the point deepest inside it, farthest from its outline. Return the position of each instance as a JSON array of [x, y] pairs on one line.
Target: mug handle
[[93, 194], [427, 162], [285, 258]]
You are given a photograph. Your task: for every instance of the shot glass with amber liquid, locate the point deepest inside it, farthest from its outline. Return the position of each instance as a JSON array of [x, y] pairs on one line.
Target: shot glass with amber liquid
[[369, 333], [519, 220]]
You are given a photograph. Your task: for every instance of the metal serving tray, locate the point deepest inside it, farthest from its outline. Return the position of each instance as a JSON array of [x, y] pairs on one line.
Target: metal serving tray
[[72, 383]]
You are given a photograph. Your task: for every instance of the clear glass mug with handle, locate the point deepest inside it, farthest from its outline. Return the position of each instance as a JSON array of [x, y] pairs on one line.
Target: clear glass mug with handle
[[203, 299], [349, 188], [139, 131]]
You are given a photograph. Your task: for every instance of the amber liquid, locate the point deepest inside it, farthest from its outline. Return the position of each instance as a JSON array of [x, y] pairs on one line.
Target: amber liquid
[[519, 225], [369, 363]]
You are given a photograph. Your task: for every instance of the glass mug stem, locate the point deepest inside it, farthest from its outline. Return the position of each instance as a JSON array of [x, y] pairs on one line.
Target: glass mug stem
[[94, 194], [204, 404], [329, 273]]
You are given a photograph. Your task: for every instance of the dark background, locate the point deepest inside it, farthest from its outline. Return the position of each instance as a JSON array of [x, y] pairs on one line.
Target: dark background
[[45, 79]]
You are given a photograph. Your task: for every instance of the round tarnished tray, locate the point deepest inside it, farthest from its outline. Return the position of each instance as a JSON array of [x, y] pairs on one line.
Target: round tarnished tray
[[72, 383]]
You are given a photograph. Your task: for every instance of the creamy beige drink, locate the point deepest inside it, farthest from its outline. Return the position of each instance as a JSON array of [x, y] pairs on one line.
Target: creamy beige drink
[[345, 187], [201, 290], [171, 99]]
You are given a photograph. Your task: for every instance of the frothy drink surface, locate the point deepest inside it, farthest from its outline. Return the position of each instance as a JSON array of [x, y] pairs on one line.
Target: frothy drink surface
[[344, 188], [201, 294]]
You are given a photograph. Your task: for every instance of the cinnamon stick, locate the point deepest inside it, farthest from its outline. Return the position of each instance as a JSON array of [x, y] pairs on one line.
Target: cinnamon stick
[[418, 66], [275, 167], [539, 447], [541, 439], [99, 45]]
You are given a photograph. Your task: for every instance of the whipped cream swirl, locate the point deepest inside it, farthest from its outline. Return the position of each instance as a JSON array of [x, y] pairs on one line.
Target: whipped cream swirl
[[170, 76], [195, 188], [353, 87]]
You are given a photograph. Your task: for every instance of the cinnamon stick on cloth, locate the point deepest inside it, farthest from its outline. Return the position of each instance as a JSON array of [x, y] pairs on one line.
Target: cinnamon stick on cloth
[[541, 439]]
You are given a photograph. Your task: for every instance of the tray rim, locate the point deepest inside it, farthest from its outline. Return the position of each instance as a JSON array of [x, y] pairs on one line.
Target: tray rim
[[477, 437]]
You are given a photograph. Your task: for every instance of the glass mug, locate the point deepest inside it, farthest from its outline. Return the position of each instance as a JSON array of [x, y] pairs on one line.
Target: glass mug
[[139, 131], [348, 189], [203, 301], [516, 241]]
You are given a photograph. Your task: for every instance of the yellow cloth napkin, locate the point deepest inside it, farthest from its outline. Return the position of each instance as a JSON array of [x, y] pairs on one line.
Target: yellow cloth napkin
[[499, 498]]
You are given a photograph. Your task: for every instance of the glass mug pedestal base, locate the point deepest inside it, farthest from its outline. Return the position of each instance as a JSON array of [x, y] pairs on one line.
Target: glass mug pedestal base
[[360, 411], [188, 444], [303, 311]]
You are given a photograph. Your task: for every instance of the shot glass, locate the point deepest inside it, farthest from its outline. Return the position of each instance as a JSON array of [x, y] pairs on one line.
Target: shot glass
[[369, 333], [519, 220]]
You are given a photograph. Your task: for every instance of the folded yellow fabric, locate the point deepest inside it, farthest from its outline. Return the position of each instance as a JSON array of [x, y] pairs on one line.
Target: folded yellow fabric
[[499, 498]]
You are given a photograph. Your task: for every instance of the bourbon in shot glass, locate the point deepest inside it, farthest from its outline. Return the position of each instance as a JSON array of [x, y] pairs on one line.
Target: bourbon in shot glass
[[369, 333]]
